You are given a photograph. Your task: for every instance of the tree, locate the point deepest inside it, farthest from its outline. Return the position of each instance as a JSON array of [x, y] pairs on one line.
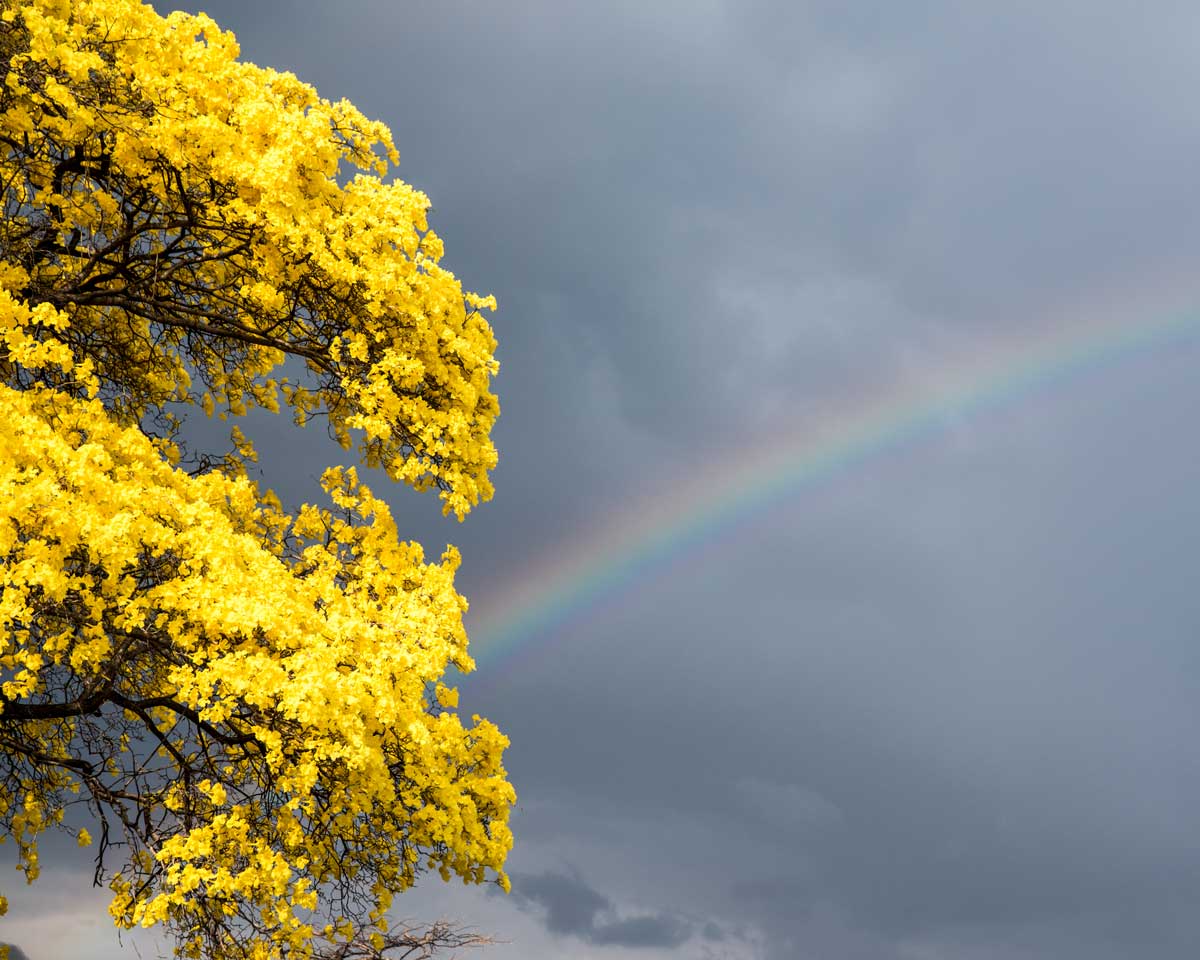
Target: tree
[[247, 701]]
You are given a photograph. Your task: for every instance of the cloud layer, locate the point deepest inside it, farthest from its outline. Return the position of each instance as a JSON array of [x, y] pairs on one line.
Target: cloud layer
[[572, 908]]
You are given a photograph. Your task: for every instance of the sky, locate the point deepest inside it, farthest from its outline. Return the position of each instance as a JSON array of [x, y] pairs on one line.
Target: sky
[[935, 699]]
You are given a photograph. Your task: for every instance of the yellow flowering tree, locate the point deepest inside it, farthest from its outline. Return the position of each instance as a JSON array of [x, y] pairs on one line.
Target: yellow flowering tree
[[247, 701]]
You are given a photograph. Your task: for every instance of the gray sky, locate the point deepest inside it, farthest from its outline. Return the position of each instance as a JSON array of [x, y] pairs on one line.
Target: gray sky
[[943, 705]]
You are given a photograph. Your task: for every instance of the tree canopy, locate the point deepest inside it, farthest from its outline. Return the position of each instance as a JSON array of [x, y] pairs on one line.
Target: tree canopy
[[245, 698]]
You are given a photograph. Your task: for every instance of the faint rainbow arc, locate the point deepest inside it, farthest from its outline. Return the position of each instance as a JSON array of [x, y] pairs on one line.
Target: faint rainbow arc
[[560, 586]]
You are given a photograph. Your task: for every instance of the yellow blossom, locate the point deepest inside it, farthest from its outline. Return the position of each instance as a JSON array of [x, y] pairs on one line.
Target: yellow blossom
[[177, 228]]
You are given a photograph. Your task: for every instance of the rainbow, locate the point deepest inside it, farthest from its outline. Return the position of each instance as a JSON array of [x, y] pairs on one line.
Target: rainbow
[[532, 608]]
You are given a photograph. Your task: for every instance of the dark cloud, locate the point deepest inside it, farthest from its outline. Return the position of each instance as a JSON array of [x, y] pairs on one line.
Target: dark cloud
[[572, 908], [571, 905]]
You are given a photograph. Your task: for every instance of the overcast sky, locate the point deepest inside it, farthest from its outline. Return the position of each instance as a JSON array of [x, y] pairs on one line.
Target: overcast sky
[[940, 705]]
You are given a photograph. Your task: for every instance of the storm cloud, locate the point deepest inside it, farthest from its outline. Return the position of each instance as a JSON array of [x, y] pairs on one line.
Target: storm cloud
[[572, 908]]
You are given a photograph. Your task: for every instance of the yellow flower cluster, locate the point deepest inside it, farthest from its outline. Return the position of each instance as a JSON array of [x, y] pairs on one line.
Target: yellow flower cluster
[[251, 699], [155, 179]]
